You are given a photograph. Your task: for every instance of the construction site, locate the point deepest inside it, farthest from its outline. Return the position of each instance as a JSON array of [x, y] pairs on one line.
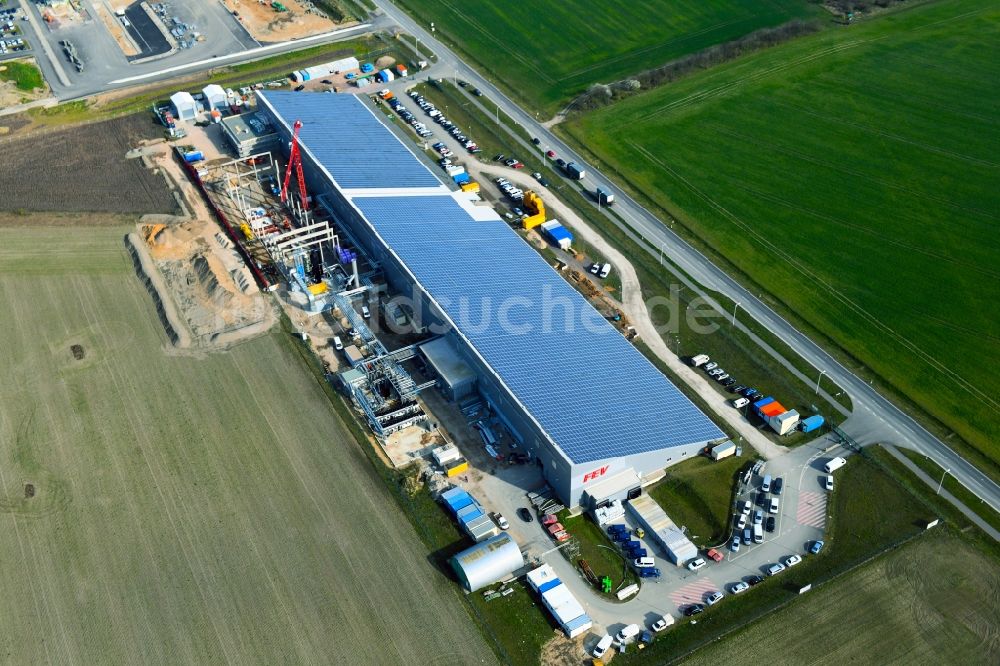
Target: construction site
[[275, 21]]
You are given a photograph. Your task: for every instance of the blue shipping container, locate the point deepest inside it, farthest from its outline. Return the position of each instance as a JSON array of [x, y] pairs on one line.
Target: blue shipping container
[[194, 156], [461, 178], [763, 402], [812, 423]]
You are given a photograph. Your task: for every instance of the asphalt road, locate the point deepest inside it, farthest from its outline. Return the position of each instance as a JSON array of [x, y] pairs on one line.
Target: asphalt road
[[107, 68], [875, 418]]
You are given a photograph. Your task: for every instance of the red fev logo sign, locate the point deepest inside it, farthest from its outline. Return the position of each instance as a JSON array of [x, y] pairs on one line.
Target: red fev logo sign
[[590, 476]]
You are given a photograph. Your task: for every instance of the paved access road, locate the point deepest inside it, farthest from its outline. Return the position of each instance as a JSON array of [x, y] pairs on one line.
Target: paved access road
[[875, 419]]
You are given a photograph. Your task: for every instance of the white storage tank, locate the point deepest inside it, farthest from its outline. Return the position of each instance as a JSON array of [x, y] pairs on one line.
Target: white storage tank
[[487, 562]]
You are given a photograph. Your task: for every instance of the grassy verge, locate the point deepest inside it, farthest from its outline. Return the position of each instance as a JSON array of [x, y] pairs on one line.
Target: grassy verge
[[730, 346], [694, 148], [871, 514], [698, 494], [515, 624], [603, 556], [25, 75], [935, 471], [234, 76]]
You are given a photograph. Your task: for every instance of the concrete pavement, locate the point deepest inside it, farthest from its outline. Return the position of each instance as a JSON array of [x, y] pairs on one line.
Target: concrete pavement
[[875, 419]]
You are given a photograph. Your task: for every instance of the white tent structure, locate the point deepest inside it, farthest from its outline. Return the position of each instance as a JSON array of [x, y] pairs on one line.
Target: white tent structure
[[184, 106], [215, 97]]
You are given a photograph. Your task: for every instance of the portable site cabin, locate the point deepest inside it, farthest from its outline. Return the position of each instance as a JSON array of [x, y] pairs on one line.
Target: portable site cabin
[[183, 106], [215, 97], [724, 450]]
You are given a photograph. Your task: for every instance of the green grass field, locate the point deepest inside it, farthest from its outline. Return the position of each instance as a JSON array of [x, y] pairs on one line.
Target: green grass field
[[548, 51], [208, 509], [25, 75], [933, 601], [698, 494], [853, 175]]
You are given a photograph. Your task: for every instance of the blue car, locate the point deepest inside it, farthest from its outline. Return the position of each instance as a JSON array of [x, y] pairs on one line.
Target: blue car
[[649, 572], [816, 547]]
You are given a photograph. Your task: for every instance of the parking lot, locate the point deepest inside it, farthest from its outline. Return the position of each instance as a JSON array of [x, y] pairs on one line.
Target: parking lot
[[205, 30]]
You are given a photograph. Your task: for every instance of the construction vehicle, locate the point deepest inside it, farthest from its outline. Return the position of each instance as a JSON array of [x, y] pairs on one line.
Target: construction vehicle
[[295, 163], [535, 208]]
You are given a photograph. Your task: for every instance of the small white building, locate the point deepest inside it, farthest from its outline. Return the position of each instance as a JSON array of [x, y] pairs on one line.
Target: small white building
[[215, 97], [184, 106]]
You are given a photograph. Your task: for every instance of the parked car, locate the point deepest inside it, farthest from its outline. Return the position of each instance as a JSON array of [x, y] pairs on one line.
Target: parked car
[[755, 580], [500, 520], [729, 382], [747, 392], [769, 524], [775, 569], [714, 598], [694, 609], [365, 312], [715, 555], [662, 624], [758, 517], [828, 482], [595, 268], [499, 157], [736, 588], [745, 507], [628, 633], [739, 388], [602, 646], [734, 545], [712, 365], [816, 547], [696, 563], [649, 572], [773, 508], [776, 487], [299, 88], [524, 514], [741, 521], [792, 560]]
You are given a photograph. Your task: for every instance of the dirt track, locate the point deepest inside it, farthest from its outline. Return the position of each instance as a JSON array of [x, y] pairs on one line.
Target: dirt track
[[632, 301], [188, 510]]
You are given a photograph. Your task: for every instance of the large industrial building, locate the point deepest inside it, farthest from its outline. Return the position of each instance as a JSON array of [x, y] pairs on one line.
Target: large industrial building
[[598, 416]]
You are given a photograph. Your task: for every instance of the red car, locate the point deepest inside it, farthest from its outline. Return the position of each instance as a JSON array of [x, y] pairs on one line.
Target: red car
[[551, 153], [714, 554], [549, 519]]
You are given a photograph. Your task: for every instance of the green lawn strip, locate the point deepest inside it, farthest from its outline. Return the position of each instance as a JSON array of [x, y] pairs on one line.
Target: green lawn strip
[[730, 346], [871, 514], [548, 51], [25, 75], [601, 554], [760, 170], [968, 498], [879, 613], [516, 625], [235, 76], [698, 494]]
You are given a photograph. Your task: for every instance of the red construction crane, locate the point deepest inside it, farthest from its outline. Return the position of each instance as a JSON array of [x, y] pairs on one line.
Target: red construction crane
[[295, 162]]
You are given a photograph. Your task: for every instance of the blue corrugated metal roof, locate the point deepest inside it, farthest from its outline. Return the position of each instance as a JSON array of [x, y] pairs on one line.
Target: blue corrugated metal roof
[[350, 142], [588, 387]]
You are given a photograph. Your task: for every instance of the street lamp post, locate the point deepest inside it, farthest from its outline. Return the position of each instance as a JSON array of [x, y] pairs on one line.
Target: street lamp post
[[942, 481], [821, 373], [735, 307]]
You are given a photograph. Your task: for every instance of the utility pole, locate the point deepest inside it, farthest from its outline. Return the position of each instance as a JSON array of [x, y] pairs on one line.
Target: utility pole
[[822, 372], [942, 481], [735, 307]]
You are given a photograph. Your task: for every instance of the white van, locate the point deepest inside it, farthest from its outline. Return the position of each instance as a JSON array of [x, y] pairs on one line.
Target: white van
[[700, 359], [774, 505], [766, 483], [739, 403], [758, 533], [605, 271], [628, 633], [365, 312], [337, 343], [602, 646], [644, 562], [834, 464]]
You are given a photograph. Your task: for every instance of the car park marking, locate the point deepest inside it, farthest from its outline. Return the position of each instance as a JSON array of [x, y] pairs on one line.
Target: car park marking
[[812, 509], [693, 593]]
